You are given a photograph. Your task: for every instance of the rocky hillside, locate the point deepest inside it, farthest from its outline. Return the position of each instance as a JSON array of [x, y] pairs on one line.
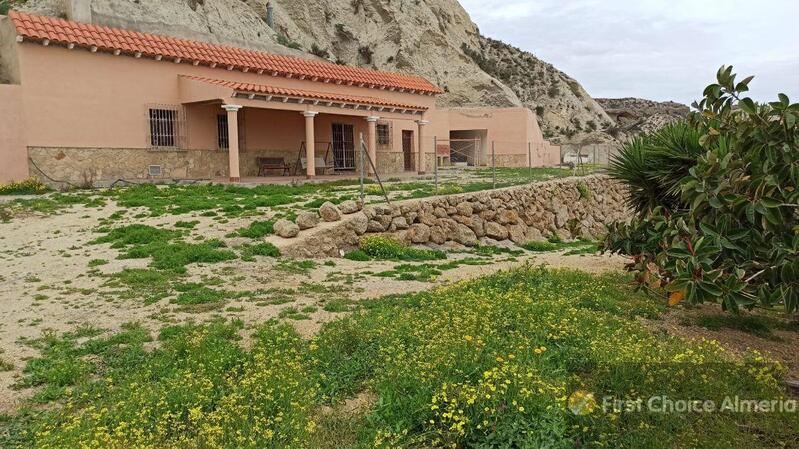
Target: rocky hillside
[[635, 116], [432, 38]]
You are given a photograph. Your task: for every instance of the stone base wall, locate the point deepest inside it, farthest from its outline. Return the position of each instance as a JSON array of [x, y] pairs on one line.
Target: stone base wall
[[522, 213], [509, 160], [100, 166], [390, 162]]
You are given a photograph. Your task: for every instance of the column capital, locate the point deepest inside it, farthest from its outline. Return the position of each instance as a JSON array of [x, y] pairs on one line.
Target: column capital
[[231, 107], [310, 114], [422, 122], [372, 118]]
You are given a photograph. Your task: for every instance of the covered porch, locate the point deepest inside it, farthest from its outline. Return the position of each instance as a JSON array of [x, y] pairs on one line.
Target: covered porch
[[283, 134]]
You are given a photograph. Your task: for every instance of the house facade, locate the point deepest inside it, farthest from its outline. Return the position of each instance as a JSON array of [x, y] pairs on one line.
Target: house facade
[[88, 104]]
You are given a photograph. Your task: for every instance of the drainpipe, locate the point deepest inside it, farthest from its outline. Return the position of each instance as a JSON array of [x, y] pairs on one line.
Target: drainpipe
[[270, 15]]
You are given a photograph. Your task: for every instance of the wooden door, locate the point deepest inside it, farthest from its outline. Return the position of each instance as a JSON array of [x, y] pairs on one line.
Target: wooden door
[[407, 149]]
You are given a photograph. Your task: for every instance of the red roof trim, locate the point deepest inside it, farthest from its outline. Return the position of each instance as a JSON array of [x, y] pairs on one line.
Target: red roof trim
[[298, 93], [131, 42]]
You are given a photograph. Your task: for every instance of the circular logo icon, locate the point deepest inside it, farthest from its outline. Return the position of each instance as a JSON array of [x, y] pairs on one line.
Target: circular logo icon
[[581, 403]]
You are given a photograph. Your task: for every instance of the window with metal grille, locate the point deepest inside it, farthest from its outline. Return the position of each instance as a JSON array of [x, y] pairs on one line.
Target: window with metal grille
[[383, 134], [223, 139], [164, 127]]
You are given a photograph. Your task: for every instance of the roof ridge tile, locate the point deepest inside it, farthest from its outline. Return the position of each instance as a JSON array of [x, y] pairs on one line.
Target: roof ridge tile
[[56, 29]]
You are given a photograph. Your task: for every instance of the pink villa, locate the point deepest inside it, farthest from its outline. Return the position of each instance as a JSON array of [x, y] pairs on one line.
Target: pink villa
[[89, 104]]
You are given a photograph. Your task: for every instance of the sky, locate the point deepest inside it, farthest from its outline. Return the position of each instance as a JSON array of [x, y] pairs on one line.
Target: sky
[[655, 49]]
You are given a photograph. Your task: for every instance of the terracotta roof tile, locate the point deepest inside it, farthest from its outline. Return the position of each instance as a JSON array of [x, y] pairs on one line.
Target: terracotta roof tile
[[298, 93], [62, 31]]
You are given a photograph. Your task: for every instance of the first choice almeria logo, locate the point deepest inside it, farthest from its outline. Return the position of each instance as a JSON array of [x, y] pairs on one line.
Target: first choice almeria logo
[[669, 405]]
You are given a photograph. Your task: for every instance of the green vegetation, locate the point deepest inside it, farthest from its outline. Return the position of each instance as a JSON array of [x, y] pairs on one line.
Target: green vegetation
[[30, 186], [186, 224], [760, 326], [141, 241], [497, 362], [295, 266], [385, 248], [261, 249], [257, 229], [717, 202], [555, 243]]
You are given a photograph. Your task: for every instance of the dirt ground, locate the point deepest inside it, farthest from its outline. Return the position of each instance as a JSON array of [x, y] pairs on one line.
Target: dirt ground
[[47, 285]]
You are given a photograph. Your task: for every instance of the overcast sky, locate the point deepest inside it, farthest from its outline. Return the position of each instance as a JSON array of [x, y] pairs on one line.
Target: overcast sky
[[655, 49]]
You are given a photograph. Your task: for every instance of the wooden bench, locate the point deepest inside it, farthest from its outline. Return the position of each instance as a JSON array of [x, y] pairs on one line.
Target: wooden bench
[[319, 164], [272, 163]]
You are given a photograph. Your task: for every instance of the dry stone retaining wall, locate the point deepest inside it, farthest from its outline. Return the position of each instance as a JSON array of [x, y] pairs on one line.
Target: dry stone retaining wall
[[569, 207]]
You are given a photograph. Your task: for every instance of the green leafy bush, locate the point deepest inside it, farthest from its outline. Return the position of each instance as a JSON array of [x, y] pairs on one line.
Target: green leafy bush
[[717, 201]]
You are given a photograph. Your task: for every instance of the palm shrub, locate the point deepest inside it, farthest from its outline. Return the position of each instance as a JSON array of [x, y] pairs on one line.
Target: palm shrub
[[653, 165], [718, 202]]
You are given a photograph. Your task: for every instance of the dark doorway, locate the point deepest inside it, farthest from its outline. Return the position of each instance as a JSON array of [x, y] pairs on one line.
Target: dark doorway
[[407, 149], [343, 146]]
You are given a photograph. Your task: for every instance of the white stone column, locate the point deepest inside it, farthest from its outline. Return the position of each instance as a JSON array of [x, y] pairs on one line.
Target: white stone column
[[421, 147], [372, 141], [233, 140], [310, 145]]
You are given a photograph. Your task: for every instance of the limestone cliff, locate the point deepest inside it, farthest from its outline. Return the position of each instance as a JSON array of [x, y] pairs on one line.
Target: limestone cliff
[[635, 116], [432, 38]]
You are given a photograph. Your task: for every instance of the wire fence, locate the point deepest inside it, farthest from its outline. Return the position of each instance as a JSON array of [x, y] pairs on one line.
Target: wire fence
[[481, 163]]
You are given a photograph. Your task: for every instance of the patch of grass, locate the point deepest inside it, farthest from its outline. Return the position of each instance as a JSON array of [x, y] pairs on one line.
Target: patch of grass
[[338, 305], [193, 294], [291, 313], [295, 266], [97, 263], [141, 241], [760, 326], [490, 251], [148, 284], [257, 229], [412, 272], [386, 248], [357, 255], [261, 249], [555, 243], [186, 224], [215, 200], [64, 363], [135, 234]]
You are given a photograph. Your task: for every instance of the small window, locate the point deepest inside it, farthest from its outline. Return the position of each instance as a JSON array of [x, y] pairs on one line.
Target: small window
[[223, 139], [383, 134], [164, 128]]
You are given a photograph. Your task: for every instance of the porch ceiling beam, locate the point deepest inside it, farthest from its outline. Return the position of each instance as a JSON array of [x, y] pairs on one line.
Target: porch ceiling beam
[[328, 103]]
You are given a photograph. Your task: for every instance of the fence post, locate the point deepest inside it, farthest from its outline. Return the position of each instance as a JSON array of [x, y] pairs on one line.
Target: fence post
[[530, 161], [435, 163], [494, 163], [361, 167]]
